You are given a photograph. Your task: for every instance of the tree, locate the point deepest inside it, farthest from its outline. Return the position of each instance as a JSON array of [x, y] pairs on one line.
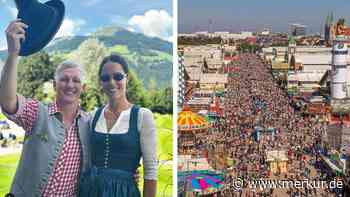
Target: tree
[[33, 72], [168, 101], [286, 57], [162, 101], [152, 86], [199, 40], [205, 66], [341, 21], [57, 58], [292, 63], [136, 93], [90, 54]]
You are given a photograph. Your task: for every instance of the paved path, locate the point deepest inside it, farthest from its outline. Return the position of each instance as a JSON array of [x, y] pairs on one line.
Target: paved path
[[10, 150]]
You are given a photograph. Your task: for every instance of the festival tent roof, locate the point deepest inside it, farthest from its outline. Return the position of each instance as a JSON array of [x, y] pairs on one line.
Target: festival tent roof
[[336, 119], [213, 78], [188, 163], [194, 73], [276, 155], [280, 65], [199, 101]]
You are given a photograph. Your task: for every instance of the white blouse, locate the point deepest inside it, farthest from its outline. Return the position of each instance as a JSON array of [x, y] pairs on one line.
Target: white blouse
[[148, 136]]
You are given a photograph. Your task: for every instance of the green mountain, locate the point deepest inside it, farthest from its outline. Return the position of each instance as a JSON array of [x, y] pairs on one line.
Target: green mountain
[[65, 44], [151, 58], [108, 31]]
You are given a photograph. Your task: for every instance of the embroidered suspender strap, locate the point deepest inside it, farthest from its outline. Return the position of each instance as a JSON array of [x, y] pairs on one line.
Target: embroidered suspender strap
[[96, 117], [93, 126], [133, 129]]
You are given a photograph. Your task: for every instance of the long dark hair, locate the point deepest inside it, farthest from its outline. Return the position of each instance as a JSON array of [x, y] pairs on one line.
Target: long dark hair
[[115, 58]]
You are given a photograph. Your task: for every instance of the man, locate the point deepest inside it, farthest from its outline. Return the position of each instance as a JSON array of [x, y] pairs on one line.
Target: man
[[55, 149]]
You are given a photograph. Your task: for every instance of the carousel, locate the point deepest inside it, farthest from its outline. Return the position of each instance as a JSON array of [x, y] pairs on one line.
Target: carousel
[[191, 127]]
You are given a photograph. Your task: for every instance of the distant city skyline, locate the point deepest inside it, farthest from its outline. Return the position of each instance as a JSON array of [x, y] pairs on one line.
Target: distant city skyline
[[254, 15]]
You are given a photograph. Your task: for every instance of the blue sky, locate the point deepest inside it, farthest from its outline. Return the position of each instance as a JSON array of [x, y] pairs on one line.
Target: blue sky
[[252, 15], [151, 17]]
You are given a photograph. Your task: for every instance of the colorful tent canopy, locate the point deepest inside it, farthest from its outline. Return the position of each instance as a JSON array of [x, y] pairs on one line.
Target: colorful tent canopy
[[201, 180], [204, 182], [188, 120]]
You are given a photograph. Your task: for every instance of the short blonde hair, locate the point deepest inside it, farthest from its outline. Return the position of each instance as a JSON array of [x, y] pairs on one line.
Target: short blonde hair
[[67, 65]]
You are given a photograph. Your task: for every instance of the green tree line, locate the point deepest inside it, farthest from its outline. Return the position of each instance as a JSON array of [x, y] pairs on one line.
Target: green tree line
[[247, 47], [38, 69], [198, 40]]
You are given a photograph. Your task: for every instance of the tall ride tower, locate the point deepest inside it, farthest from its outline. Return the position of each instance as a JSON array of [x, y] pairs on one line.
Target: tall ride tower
[[338, 129], [339, 71]]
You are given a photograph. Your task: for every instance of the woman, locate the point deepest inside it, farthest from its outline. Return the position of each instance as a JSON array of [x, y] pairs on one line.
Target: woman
[[122, 133]]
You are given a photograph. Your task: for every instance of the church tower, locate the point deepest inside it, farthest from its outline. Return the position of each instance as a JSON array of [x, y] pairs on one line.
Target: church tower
[[292, 48]]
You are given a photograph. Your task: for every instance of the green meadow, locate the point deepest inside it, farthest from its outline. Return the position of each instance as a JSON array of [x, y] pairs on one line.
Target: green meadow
[[8, 166]]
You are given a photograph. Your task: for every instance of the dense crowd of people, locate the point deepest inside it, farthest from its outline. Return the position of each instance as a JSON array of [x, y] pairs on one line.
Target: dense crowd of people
[[255, 103]]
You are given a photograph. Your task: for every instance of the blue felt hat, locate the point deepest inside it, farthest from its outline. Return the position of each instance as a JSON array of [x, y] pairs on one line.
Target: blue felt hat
[[43, 20]]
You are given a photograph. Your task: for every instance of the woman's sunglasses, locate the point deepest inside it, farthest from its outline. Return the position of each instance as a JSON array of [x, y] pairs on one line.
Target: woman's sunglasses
[[116, 76]]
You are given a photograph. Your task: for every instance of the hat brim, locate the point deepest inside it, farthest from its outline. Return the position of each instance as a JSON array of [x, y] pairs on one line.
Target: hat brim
[[50, 31]]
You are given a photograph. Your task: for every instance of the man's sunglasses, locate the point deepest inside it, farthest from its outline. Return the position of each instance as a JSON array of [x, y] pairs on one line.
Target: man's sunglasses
[[116, 76]]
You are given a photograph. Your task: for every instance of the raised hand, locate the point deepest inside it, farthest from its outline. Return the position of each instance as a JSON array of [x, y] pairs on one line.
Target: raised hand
[[15, 33]]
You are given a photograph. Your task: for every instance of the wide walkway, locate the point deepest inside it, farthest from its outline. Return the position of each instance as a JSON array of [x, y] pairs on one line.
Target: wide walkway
[[254, 101]]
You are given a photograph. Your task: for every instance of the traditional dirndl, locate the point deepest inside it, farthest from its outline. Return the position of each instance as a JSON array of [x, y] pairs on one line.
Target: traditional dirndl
[[107, 182]]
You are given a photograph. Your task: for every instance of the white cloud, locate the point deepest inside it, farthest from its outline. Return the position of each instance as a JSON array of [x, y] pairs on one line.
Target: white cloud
[[70, 27], [130, 29], [10, 9], [154, 23], [13, 11], [170, 39]]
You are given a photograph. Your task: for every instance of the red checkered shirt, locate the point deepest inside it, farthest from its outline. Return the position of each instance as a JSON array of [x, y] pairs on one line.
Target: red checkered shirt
[[64, 179]]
